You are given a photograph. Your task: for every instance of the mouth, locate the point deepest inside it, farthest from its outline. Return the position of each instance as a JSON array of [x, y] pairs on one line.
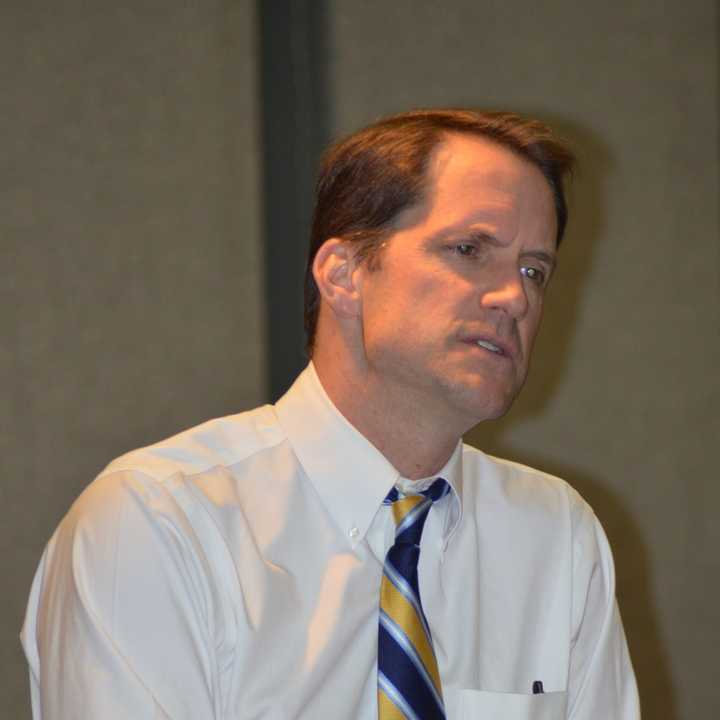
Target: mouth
[[490, 346], [495, 346]]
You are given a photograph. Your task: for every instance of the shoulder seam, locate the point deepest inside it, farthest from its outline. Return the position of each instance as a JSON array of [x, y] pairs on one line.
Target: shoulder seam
[[137, 465]]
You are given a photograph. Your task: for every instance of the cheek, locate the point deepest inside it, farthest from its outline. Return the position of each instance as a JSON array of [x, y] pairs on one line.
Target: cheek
[[404, 303], [529, 329], [412, 307]]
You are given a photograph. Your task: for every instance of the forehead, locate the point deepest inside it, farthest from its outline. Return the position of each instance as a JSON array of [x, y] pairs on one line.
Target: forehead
[[471, 179]]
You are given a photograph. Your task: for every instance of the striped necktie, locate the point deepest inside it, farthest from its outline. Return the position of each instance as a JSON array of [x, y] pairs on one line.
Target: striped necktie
[[408, 678]]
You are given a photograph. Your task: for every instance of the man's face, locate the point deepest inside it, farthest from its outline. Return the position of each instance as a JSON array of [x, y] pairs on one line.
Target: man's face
[[451, 311]]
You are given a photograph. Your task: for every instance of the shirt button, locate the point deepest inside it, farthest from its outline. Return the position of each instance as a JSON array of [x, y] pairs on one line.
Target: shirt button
[[353, 532]]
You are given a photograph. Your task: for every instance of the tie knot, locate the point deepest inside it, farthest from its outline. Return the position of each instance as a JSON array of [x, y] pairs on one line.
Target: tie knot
[[439, 489], [410, 511]]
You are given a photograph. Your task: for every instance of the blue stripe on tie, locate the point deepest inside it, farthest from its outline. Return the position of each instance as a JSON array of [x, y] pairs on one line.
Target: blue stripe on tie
[[438, 490], [402, 673], [405, 559], [392, 496], [397, 634], [403, 587], [395, 697]]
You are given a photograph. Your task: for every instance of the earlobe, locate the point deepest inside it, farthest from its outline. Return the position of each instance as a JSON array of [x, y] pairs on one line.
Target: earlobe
[[334, 269]]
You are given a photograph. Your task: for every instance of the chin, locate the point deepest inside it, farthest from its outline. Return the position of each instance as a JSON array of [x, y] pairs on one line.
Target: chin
[[480, 404], [497, 412]]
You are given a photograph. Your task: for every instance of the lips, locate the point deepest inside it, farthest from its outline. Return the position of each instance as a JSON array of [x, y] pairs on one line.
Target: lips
[[501, 348]]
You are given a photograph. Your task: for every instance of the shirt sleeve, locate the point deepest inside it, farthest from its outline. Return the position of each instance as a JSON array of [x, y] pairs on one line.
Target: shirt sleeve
[[601, 682], [121, 620]]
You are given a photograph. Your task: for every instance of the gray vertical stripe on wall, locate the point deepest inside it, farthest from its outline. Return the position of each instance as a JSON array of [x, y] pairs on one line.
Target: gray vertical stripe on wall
[[295, 111]]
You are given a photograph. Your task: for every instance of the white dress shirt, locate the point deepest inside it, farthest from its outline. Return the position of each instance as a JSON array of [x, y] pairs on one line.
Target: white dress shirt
[[233, 571]]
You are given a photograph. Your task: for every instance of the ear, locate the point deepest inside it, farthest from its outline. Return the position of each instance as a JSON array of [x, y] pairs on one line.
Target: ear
[[334, 269]]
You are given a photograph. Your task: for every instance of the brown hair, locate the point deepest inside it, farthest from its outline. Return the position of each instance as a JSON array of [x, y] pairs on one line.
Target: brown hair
[[368, 178]]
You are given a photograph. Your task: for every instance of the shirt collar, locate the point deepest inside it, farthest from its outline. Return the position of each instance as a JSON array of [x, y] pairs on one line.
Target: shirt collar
[[452, 473], [350, 475]]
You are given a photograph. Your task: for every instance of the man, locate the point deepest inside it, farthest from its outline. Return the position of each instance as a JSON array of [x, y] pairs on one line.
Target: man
[[342, 554]]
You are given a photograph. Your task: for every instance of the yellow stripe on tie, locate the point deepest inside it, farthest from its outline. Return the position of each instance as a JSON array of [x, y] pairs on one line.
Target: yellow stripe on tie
[[387, 709], [402, 507], [395, 604]]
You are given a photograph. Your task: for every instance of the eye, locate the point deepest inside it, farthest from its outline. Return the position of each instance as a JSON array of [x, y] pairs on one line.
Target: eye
[[465, 249], [532, 273]]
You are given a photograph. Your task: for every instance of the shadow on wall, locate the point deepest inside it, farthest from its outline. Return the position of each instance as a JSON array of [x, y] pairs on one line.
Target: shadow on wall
[[632, 560]]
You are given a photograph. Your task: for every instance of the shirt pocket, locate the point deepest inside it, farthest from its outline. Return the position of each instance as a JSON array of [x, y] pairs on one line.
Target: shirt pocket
[[510, 706]]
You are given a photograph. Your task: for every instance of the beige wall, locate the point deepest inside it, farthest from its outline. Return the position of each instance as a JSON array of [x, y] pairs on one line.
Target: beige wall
[[131, 263], [129, 207], [624, 394]]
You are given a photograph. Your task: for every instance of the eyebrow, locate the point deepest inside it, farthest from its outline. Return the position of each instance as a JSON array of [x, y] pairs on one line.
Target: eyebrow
[[541, 255], [461, 229]]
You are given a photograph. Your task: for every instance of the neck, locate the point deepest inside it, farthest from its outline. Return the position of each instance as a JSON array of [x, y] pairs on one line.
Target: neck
[[417, 445]]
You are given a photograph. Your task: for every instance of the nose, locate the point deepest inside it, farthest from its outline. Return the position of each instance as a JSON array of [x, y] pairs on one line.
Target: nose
[[507, 293]]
